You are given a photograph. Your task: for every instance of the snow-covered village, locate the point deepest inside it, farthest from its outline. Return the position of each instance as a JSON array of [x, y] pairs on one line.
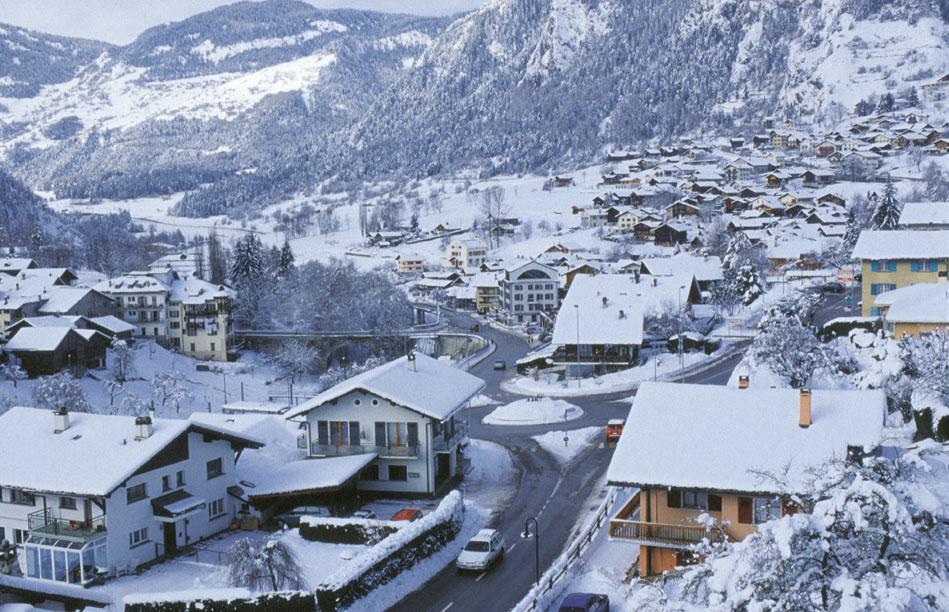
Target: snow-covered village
[[487, 305]]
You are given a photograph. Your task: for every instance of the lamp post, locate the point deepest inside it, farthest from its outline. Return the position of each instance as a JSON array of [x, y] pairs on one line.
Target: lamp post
[[576, 310], [681, 343], [535, 535]]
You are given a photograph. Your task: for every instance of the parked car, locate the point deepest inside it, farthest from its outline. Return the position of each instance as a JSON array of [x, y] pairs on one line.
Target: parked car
[[364, 514], [481, 551], [500, 364], [833, 287], [614, 429], [585, 602], [291, 518], [474, 327], [407, 514]]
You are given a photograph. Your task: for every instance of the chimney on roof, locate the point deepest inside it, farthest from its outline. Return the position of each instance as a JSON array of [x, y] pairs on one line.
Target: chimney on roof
[[143, 427], [806, 418], [410, 361], [60, 420]]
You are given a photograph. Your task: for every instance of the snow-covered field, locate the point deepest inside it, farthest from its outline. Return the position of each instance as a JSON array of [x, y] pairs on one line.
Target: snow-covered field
[[540, 411], [566, 445]]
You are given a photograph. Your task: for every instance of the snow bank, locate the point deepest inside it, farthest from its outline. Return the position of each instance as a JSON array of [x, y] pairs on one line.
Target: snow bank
[[577, 440], [533, 411]]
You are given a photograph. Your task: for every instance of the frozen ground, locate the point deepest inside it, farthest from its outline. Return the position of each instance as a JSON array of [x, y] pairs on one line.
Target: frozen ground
[[490, 478], [565, 445], [533, 411]]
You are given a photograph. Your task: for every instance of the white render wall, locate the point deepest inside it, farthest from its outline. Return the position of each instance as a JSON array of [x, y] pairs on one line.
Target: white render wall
[[421, 470]]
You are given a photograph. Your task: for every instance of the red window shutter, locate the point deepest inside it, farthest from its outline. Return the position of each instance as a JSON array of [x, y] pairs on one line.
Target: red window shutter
[[674, 499], [714, 503], [745, 511]]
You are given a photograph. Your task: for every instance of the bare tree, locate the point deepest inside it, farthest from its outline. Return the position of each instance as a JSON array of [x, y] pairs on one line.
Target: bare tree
[[272, 566], [493, 209]]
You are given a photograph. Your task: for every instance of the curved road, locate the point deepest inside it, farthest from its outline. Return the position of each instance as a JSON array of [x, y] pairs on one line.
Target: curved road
[[546, 491]]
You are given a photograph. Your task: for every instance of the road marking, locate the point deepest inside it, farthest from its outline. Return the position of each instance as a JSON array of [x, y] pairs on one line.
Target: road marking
[[478, 579], [511, 547], [450, 604]]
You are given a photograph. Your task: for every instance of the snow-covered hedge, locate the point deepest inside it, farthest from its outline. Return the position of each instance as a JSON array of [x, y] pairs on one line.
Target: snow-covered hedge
[[395, 554], [346, 530], [842, 326], [221, 600]]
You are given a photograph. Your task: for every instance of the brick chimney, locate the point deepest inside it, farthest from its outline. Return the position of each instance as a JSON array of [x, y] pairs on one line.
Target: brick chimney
[[806, 419]]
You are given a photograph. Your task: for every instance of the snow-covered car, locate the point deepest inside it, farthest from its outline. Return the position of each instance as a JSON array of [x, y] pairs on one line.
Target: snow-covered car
[[500, 364], [291, 518], [364, 514], [585, 602], [482, 551]]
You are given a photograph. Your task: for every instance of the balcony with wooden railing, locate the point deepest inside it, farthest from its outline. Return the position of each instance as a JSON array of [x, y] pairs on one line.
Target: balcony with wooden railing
[[627, 526]]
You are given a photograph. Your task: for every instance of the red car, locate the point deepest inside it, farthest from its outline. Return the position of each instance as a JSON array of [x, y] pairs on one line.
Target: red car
[[407, 514], [614, 429]]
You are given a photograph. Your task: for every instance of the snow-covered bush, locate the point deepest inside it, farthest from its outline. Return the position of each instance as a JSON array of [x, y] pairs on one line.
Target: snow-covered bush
[[345, 531], [60, 391], [123, 360], [788, 348], [220, 600]]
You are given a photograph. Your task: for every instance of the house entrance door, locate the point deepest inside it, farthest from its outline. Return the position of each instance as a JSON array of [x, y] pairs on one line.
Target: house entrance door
[[171, 538]]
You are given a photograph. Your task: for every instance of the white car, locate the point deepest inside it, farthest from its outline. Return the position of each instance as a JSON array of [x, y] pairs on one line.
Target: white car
[[481, 551]]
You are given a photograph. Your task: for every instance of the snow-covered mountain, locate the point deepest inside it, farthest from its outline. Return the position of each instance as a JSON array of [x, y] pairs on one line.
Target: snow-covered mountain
[[516, 84], [202, 99], [257, 100]]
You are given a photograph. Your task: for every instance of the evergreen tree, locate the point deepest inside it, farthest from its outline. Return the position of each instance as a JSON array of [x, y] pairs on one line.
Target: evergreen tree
[[886, 216], [286, 261], [748, 284], [248, 261], [886, 103], [912, 98]]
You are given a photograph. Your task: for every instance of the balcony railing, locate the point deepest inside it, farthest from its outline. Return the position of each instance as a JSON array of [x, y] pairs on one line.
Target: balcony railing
[[48, 523], [626, 526], [442, 444], [332, 450]]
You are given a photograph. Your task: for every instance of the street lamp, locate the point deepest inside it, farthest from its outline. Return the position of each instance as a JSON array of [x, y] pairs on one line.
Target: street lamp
[[535, 535], [681, 343], [576, 310]]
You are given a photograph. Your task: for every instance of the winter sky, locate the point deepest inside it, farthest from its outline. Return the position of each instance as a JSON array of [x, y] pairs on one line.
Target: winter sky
[[120, 21]]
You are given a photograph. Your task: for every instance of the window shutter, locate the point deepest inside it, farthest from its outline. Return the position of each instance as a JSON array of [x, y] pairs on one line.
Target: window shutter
[[322, 432], [714, 503], [674, 499], [874, 266], [380, 434], [745, 510], [413, 434], [354, 433]]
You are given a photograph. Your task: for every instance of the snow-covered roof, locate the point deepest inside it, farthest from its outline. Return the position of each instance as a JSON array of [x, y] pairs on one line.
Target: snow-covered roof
[[196, 291], [49, 321], [112, 324], [60, 300], [94, 456], [920, 214], [902, 244], [732, 435], [432, 388], [311, 475], [37, 338], [707, 268], [920, 303], [133, 282], [243, 406], [609, 307]]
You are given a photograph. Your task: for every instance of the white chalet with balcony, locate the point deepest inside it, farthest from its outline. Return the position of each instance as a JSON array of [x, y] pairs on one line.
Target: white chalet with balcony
[[88, 496], [405, 414]]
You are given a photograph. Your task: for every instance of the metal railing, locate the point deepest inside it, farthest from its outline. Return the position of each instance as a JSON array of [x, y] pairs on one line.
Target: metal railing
[[441, 443], [48, 523], [333, 450]]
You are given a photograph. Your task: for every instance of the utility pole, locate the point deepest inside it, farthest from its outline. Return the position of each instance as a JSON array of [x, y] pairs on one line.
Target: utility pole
[[576, 310]]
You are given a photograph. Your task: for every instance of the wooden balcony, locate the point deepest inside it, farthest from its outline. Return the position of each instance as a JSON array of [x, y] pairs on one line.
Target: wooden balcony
[[627, 526]]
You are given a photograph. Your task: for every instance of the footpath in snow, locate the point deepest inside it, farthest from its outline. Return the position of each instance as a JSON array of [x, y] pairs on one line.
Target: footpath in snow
[[533, 411]]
